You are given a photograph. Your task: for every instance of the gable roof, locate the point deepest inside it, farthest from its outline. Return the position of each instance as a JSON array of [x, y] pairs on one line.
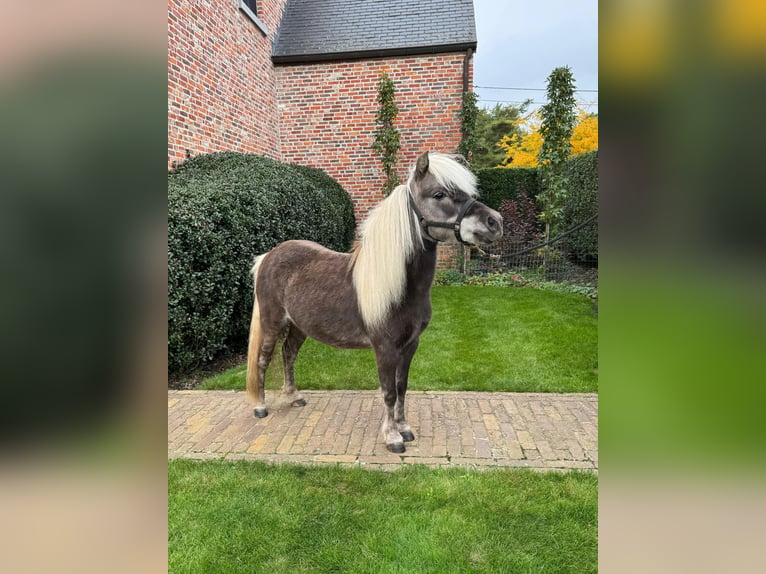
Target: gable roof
[[321, 30]]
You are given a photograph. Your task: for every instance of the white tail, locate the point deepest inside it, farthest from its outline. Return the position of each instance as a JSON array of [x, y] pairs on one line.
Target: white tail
[[255, 390]]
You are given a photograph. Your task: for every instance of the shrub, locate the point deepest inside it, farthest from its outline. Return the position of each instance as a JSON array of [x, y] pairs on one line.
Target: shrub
[[497, 184], [448, 277], [509, 184], [581, 203], [530, 280], [521, 223], [223, 209], [339, 207]]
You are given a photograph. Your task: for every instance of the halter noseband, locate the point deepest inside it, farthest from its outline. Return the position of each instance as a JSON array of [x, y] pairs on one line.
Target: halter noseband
[[455, 226]]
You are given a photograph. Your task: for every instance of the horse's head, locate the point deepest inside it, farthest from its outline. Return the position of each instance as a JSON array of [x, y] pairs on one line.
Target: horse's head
[[443, 197]]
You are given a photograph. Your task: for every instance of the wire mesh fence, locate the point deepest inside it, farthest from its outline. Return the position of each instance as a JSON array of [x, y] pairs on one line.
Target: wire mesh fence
[[531, 257]]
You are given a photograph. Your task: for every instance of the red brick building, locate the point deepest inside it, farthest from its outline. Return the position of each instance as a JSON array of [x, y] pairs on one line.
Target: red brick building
[[297, 80]]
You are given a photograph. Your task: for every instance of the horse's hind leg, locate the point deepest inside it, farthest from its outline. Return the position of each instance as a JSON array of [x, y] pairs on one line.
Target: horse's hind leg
[[290, 348], [257, 370]]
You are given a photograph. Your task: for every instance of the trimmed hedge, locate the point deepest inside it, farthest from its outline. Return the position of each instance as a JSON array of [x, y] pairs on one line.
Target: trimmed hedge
[[499, 183], [223, 210], [581, 203]]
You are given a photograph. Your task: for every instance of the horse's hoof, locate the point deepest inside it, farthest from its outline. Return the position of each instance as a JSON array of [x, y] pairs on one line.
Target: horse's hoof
[[299, 403], [260, 412], [397, 447], [407, 436]]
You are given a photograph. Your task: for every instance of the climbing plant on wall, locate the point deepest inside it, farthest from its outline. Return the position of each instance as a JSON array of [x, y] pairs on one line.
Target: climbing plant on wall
[[468, 114], [386, 140]]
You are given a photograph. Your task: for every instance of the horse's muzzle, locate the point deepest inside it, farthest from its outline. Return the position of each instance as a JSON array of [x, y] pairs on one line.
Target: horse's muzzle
[[484, 227]]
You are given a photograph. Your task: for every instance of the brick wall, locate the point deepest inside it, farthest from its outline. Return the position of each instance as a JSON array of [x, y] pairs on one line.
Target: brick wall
[[327, 116], [221, 92], [224, 93]]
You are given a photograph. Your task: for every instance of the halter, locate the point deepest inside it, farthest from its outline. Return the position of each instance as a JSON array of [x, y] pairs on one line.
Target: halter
[[455, 226]]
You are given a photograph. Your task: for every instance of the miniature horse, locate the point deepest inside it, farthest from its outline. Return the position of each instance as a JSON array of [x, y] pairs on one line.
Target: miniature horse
[[378, 296]]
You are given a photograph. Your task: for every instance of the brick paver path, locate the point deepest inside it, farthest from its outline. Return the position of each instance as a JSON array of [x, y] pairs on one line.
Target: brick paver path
[[536, 430]]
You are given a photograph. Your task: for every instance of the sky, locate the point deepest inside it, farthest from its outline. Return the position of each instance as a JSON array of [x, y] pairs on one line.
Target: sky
[[521, 41]]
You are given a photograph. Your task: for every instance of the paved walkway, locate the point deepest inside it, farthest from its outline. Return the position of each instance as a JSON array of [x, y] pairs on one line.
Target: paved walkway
[[481, 430]]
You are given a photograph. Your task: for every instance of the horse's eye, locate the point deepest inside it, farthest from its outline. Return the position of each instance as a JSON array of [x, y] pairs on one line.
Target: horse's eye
[[438, 195]]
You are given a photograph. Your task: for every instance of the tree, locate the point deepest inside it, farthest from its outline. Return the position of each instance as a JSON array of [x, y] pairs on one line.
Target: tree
[[558, 121], [491, 127], [585, 133], [386, 140], [522, 149]]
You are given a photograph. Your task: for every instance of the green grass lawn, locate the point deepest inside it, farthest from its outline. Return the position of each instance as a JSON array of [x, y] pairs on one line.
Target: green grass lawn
[[253, 517], [479, 339]]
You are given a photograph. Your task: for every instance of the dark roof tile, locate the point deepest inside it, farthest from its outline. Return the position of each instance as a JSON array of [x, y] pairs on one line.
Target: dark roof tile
[[331, 29]]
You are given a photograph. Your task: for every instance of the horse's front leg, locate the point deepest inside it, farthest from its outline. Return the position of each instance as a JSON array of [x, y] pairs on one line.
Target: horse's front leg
[[402, 374], [387, 358]]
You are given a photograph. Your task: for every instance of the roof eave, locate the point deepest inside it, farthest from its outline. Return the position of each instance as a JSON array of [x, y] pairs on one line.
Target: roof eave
[[366, 54]]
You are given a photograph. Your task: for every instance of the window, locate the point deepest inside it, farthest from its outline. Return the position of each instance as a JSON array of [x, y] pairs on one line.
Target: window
[[250, 7]]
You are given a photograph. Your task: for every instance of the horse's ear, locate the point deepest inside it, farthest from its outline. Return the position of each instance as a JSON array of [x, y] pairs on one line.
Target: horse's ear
[[421, 167]]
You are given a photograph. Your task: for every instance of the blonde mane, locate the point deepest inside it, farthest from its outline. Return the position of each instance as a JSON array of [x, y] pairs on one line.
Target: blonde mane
[[450, 172], [388, 239]]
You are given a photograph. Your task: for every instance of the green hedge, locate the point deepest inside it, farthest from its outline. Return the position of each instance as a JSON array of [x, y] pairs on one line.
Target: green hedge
[[581, 203], [499, 183], [223, 210]]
